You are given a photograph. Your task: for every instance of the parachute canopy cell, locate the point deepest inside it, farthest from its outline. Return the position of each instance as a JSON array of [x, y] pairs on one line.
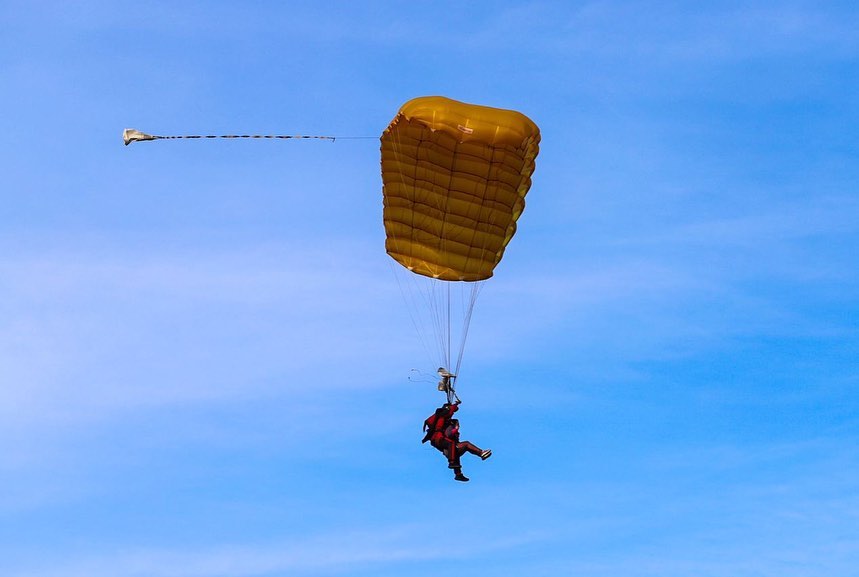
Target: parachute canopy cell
[[455, 177]]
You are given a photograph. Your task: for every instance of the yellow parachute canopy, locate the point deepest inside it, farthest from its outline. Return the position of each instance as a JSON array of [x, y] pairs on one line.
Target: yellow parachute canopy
[[455, 177]]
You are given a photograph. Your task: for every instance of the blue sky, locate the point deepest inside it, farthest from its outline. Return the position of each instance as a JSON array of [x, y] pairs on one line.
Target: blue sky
[[205, 358]]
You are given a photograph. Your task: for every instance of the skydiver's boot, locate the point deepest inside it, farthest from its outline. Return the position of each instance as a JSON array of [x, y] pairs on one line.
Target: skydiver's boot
[[486, 454], [459, 476]]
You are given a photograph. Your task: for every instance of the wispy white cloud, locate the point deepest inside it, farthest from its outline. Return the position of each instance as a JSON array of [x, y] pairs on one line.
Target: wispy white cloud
[[714, 33], [84, 331], [774, 225], [321, 554], [731, 262], [605, 28], [682, 508]]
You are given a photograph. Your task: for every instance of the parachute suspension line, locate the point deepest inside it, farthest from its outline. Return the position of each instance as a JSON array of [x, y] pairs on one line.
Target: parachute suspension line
[[408, 293], [442, 307], [447, 357], [130, 135], [427, 305], [451, 392], [433, 303], [433, 308], [466, 323]]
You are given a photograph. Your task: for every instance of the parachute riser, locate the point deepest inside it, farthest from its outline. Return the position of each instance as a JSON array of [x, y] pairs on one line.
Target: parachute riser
[[452, 396], [446, 385]]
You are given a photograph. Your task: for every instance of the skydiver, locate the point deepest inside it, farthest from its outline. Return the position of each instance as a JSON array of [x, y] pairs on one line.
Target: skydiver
[[442, 431]]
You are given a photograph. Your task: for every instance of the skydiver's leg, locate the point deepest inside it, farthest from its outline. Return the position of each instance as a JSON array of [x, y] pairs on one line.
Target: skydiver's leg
[[453, 463], [468, 447], [452, 453]]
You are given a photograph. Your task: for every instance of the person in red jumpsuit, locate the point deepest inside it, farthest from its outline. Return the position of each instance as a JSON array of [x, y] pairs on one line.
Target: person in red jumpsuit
[[442, 431]]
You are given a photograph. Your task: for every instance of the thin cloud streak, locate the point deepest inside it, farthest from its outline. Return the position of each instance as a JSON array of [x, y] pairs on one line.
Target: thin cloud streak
[[710, 34], [73, 316], [373, 549], [783, 222]]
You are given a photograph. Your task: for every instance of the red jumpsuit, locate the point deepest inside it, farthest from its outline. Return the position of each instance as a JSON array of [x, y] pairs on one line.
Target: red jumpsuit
[[442, 418], [453, 448]]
